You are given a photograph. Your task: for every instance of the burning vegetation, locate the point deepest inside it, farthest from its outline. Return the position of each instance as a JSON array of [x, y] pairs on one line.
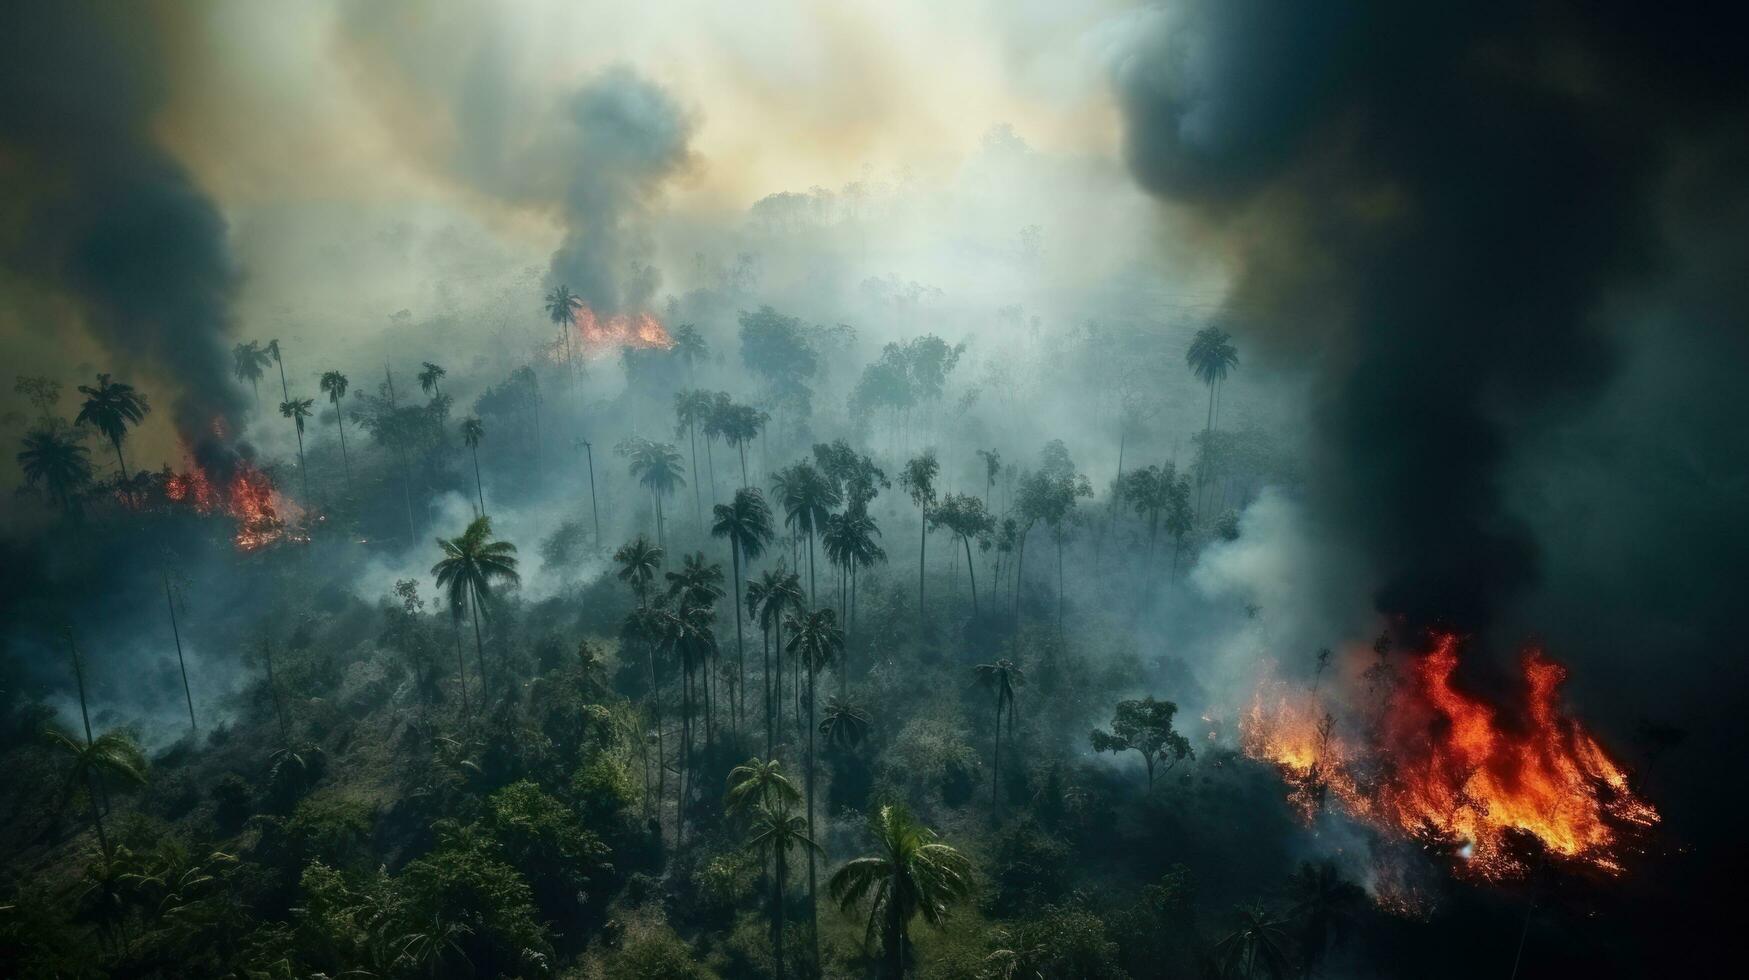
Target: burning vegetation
[[1432, 763], [245, 493], [600, 335]]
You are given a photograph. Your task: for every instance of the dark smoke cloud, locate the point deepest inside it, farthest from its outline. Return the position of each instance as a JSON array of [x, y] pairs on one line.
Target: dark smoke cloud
[[102, 214], [631, 137], [1438, 206]]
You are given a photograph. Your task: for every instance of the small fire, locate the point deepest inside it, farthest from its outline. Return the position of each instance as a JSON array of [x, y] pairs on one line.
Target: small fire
[[263, 514], [602, 335], [1438, 766]]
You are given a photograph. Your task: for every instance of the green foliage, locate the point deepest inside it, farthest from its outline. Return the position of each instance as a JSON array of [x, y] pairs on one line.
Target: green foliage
[[654, 952], [1030, 868], [544, 839], [1145, 726], [1059, 942], [468, 885]]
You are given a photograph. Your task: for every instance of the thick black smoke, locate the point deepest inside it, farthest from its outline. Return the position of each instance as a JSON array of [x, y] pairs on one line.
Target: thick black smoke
[[99, 212], [1438, 206], [631, 137]]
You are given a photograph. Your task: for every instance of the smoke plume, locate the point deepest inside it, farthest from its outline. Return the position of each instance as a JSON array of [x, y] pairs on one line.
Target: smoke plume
[[1437, 206], [104, 215]]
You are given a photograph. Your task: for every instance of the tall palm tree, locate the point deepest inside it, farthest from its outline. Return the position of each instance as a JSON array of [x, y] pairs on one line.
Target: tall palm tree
[[562, 306], [657, 467], [844, 725], [110, 755], [273, 350], [776, 832], [913, 874], [52, 459], [740, 425], [918, 480], [334, 385], [298, 409], [692, 408], [113, 754], [698, 585], [769, 600], [472, 565], [964, 515], [814, 641], [249, 362], [690, 346], [756, 783], [639, 561], [746, 523], [110, 408], [430, 376], [473, 430], [687, 636], [807, 498], [1211, 356], [1003, 677], [1257, 944], [849, 542]]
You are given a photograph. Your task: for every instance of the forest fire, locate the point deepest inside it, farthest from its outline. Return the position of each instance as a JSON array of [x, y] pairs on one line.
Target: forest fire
[[601, 335], [1444, 768], [263, 514]]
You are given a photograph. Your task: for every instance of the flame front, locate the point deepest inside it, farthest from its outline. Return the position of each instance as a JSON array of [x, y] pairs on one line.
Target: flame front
[[263, 514], [601, 335], [1438, 765]]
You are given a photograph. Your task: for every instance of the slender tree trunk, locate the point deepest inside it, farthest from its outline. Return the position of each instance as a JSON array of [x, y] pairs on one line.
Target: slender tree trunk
[[740, 642], [813, 596], [697, 495], [479, 646], [594, 512], [743, 448], [922, 549], [461, 667], [971, 574], [176, 632], [813, 900], [303, 468], [777, 908], [345, 460], [711, 464], [1059, 537], [479, 485], [777, 678], [1019, 566], [765, 644], [273, 689], [996, 768]]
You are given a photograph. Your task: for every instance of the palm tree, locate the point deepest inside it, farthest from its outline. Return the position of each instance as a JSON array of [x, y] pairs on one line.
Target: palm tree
[[913, 874], [769, 600], [562, 306], [845, 725], [110, 408], [690, 346], [112, 754], [298, 409], [918, 480], [639, 561], [473, 430], [776, 832], [686, 634], [471, 565], [814, 640], [1210, 357], [849, 541], [746, 522], [429, 376], [690, 409], [176, 633], [1258, 943], [249, 362], [334, 385], [273, 349], [697, 586], [433, 942], [755, 783], [52, 459], [657, 467], [807, 497], [1003, 677], [964, 515], [739, 425]]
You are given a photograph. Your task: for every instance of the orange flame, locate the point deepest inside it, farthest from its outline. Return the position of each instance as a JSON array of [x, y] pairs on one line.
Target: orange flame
[[1440, 767], [602, 335], [263, 514]]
